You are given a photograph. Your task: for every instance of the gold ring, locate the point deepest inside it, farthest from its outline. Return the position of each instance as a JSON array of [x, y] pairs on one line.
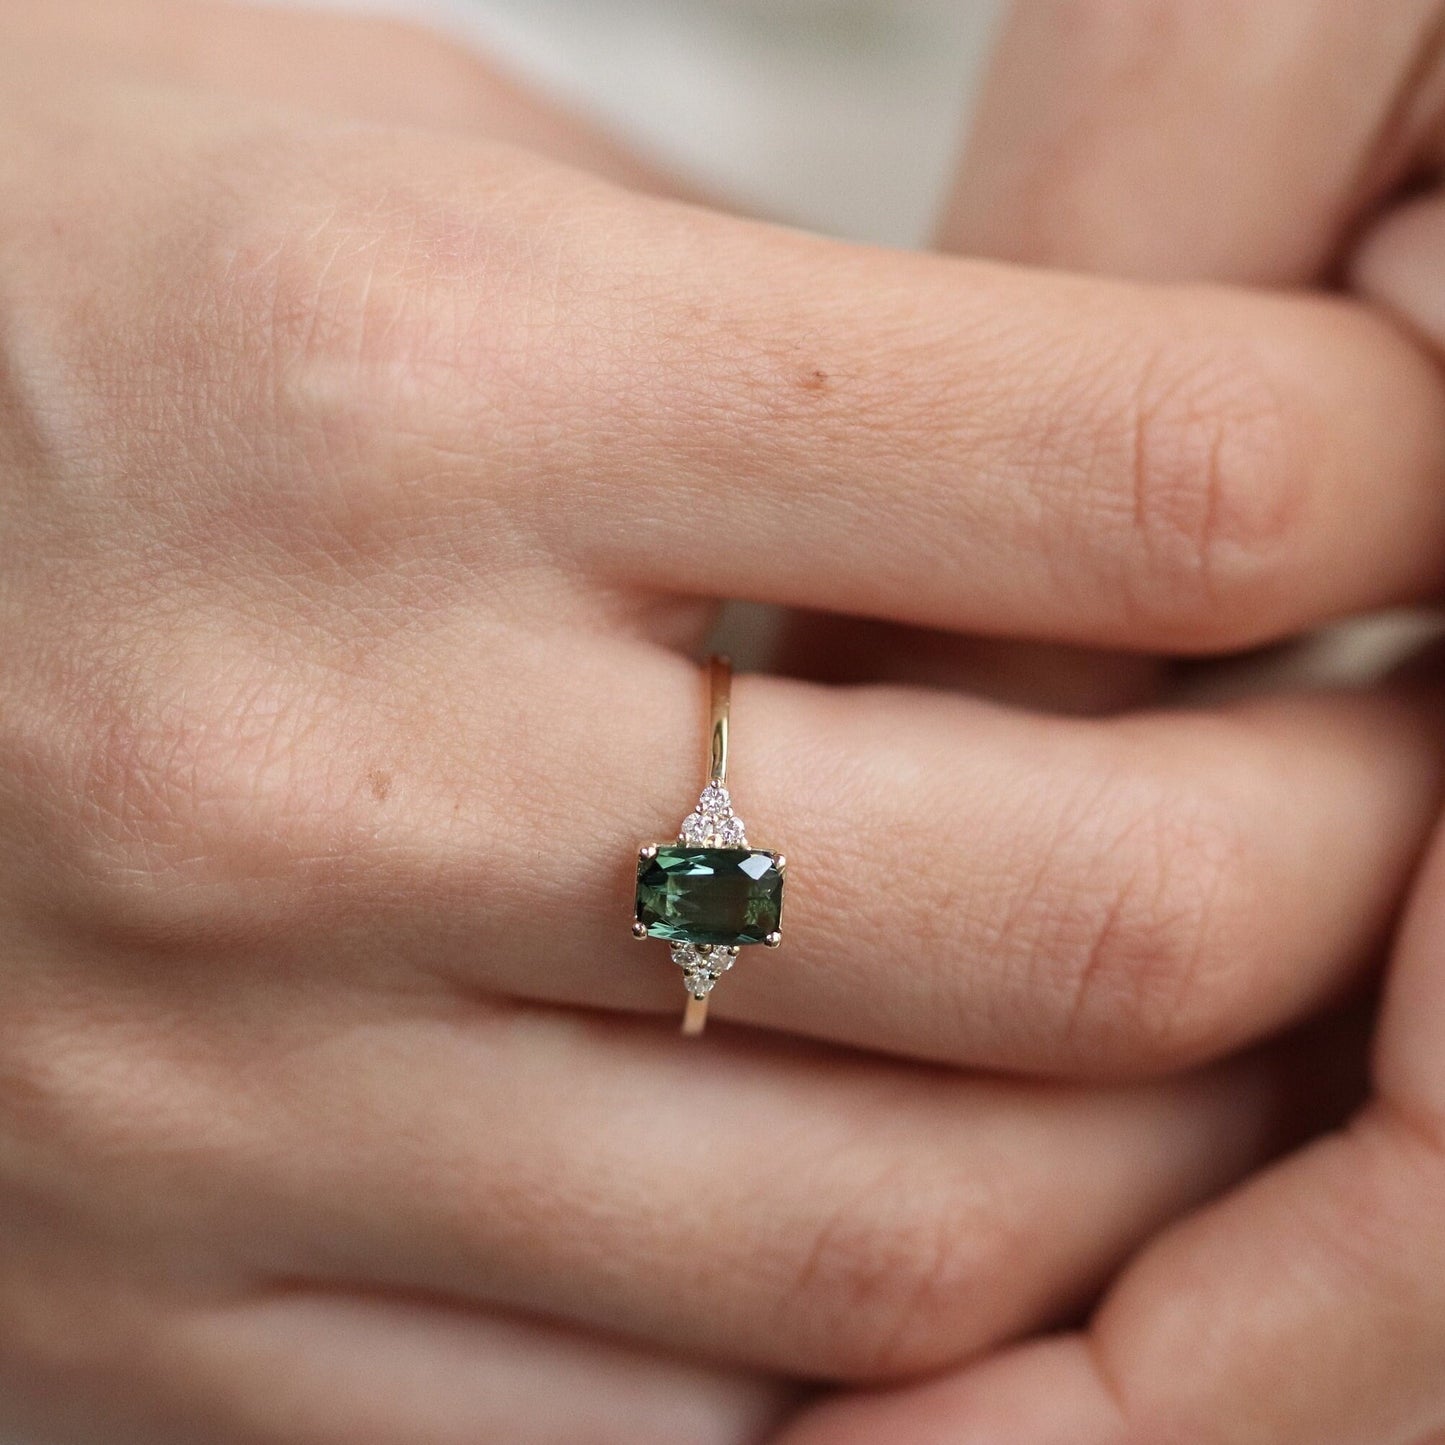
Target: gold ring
[[710, 894]]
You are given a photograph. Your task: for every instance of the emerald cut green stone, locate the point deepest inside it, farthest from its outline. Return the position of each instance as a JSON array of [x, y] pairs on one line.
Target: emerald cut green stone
[[720, 896]]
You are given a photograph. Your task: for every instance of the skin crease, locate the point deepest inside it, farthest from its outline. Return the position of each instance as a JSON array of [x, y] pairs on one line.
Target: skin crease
[[342, 450]]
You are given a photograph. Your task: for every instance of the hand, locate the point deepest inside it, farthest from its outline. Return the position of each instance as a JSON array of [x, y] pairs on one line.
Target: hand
[[364, 486], [1257, 144]]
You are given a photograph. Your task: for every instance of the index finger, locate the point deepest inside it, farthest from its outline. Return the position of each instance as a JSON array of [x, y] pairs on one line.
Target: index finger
[[682, 403], [978, 448]]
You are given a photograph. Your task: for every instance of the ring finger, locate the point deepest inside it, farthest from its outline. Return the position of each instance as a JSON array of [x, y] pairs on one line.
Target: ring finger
[[967, 884]]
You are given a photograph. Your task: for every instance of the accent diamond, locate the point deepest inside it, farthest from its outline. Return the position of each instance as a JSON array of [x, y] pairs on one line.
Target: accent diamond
[[700, 958], [715, 802], [713, 824]]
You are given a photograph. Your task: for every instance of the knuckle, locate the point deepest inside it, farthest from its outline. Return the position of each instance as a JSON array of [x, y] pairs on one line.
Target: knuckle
[[325, 309], [1218, 477], [1159, 948], [892, 1276], [378, 319], [70, 1089], [428, 72], [376, 275], [183, 816]]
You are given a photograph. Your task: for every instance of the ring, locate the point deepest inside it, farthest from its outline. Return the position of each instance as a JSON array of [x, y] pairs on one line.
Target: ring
[[710, 893]]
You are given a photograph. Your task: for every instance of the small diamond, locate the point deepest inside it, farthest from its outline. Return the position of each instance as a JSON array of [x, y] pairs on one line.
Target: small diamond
[[699, 985], [713, 824], [715, 802], [702, 960]]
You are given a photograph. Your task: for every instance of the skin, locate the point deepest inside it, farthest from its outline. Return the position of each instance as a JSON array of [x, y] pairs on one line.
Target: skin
[[369, 482]]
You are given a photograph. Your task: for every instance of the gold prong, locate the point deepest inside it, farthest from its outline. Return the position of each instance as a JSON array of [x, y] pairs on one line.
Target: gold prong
[[782, 861], [773, 940], [639, 928], [649, 852]]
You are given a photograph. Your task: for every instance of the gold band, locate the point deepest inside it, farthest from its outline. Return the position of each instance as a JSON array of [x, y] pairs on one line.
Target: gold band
[[694, 1016], [720, 696]]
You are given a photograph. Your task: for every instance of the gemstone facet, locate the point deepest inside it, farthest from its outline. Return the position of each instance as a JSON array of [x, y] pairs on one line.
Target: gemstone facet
[[723, 897]]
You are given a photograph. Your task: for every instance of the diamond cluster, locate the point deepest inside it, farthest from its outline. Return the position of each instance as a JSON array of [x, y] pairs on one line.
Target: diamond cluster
[[702, 965], [712, 824]]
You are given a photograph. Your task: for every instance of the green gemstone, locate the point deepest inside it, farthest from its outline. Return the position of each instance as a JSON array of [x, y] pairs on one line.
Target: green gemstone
[[721, 896]]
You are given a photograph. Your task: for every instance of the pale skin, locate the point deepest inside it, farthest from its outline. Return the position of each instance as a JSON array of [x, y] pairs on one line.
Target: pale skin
[[367, 486]]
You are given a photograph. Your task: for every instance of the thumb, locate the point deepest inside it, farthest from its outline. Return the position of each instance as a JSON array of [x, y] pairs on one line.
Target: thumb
[[1174, 140]]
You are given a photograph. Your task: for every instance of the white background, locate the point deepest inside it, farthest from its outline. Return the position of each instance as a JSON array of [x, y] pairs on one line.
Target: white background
[[842, 115]]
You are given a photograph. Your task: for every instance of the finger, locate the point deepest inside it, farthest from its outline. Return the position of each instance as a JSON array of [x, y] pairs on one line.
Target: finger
[[291, 1366], [967, 884], [151, 1286], [310, 1368], [1178, 141], [1307, 1309], [1104, 142], [1401, 264], [1140, 468], [809, 1213], [1120, 897], [963, 446]]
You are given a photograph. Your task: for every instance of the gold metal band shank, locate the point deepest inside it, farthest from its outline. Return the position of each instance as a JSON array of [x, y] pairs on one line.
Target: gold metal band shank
[[720, 694]]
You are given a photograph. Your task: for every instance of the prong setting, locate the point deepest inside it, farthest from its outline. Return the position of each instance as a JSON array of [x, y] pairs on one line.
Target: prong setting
[[639, 928], [773, 940]]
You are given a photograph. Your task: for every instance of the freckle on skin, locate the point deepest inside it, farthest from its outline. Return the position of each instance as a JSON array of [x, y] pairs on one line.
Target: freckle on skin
[[814, 381], [380, 784]]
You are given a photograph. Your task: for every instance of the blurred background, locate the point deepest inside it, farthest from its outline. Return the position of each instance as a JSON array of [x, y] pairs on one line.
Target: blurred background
[[844, 116]]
